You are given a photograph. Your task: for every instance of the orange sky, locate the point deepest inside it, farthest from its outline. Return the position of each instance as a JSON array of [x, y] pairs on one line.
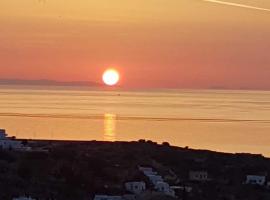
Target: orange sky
[[153, 43]]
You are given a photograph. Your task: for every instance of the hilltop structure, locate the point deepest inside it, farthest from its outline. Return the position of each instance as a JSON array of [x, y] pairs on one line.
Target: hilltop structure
[[11, 143]]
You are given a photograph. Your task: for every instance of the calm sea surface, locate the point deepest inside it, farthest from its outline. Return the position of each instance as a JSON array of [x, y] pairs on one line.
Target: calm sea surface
[[230, 121]]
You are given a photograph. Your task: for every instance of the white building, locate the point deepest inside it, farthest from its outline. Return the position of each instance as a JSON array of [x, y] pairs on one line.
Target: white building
[[135, 187], [147, 171], [255, 180], [3, 134], [11, 143], [164, 188], [181, 188], [143, 169], [107, 197], [155, 178], [23, 198], [198, 176]]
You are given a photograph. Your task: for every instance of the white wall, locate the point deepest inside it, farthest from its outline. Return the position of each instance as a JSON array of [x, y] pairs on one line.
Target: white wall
[[135, 187], [256, 180]]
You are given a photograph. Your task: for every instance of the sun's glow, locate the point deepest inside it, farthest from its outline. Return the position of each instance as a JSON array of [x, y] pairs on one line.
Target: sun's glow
[[110, 77], [109, 127]]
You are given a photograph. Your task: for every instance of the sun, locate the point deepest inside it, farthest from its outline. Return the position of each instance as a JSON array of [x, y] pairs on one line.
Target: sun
[[110, 77]]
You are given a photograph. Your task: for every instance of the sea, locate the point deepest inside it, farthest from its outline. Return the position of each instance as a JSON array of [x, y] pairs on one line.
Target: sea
[[219, 120]]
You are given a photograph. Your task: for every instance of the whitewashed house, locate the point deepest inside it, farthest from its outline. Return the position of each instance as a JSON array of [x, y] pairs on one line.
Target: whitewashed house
[[255, 180], [182, 188], [3, 134], [135, 187], [198, 176], [23, 198], [155, 178], [11, 143], [164, 188], [147, 171], [107, 197]]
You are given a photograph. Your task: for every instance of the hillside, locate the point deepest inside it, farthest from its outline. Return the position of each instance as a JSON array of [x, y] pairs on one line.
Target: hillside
[[79, 170]]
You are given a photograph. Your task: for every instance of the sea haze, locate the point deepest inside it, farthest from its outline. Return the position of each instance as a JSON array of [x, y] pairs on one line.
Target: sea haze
[[45, 82], [230, 121]]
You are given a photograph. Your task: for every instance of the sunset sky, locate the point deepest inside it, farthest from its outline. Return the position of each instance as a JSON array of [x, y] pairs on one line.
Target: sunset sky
[[153, 43]]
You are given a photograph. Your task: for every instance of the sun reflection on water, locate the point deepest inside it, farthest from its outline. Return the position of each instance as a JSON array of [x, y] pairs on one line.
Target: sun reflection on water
[[109, 127]]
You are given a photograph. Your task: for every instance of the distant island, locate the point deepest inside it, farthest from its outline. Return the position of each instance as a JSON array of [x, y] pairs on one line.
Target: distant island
[[45, 82]]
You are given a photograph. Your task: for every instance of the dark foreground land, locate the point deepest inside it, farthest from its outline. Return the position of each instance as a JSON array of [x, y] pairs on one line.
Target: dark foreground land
[[79, 170]]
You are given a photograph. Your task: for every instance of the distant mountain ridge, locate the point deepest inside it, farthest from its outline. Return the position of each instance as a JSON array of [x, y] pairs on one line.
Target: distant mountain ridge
[[45, 82]]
